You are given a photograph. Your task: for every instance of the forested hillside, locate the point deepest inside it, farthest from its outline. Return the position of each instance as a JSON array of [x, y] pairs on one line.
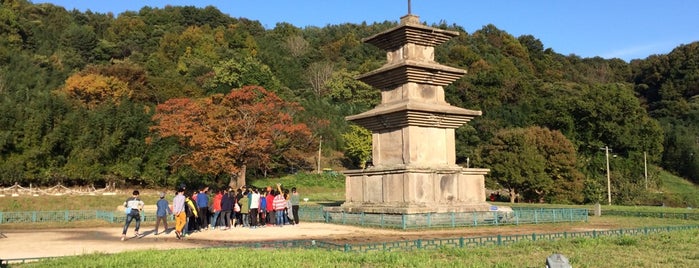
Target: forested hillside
[[83, 95]]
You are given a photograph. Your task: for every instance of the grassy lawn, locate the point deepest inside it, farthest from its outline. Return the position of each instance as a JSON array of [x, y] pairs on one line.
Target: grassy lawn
[[319, 189], [671, 249], [678, 192]]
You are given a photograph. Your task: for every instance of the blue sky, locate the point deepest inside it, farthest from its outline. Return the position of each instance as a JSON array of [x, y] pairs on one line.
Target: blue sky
[[632, 29]]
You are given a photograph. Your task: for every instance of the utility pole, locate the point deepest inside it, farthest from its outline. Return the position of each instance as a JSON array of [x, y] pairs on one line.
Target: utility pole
[[645, 168], [609, 185], [320, 145]]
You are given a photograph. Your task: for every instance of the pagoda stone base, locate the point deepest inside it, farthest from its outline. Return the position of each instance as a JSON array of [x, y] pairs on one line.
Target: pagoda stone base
[[414, 190]]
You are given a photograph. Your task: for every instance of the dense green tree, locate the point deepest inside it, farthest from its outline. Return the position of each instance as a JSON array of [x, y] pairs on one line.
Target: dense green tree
[[358, 145], [681, 151], [10, 29], [561, 165], [668, 85], [236, 73], [468, 139], [45, 26], [344, 88], [515, 165], [536, 163], [128, 33], [81, 39], [611, 115]]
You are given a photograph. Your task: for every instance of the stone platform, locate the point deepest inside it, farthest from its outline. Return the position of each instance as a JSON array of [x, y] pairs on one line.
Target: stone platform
[[411, 190]]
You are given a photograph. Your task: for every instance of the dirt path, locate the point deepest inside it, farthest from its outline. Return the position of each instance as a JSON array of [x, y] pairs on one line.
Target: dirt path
[[77, 241]]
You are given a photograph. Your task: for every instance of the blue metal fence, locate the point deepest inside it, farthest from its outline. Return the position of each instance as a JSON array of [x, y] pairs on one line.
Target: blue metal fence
[[67, 216], [394, 221], [446, 220]]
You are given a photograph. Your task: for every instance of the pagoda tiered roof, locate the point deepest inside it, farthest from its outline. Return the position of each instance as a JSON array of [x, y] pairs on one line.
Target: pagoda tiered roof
[[413, 33], [390, 76], [411, 113]]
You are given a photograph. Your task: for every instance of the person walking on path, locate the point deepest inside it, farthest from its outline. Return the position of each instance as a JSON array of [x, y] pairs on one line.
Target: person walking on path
[[295, 202], [133, 207], [178, 211], [192, 217], [203, 205], [162, 211]]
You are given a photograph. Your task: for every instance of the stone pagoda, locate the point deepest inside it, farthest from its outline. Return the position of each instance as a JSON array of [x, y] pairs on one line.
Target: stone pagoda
[[414, 158]]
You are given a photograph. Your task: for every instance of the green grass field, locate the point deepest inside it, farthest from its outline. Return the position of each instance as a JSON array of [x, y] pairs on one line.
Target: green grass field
[[671, 249], [319, 189], [677, 192]]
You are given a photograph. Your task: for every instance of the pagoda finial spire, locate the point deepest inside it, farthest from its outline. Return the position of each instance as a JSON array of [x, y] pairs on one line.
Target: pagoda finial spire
[[409, 18]]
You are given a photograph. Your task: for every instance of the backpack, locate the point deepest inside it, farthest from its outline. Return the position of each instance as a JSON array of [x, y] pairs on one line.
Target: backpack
[[190, 209], [127, 209]]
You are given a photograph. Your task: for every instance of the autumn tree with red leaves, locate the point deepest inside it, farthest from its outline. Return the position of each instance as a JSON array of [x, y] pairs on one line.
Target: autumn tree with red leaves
[[226, 133]]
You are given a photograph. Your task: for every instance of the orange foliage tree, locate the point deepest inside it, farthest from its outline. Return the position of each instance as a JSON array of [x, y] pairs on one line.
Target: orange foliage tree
[[225, 133], [94, 89]]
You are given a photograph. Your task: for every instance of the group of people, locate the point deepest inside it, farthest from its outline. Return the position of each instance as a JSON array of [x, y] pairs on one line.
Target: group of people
[[198, 211]]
